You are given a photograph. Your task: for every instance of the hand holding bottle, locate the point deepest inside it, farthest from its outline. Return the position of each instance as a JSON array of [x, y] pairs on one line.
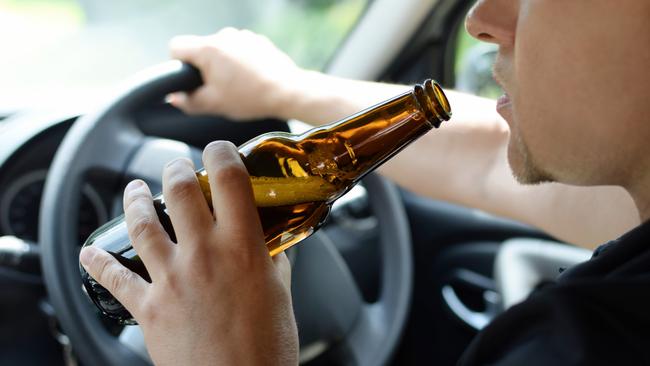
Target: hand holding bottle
[[216, 297], [246, 76]]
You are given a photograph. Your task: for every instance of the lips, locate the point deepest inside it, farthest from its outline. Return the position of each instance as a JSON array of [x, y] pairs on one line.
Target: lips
[[504, 105], [503, 101]]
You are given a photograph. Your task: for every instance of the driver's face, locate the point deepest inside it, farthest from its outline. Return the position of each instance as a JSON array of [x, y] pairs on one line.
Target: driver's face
[[577, 73]]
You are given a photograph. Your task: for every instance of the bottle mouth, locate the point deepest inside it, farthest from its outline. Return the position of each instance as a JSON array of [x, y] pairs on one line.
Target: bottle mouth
[[433, 101], [443, 108]]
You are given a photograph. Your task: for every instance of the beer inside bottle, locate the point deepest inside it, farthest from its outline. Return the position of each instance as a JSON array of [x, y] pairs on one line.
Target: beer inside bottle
[[296, 178]]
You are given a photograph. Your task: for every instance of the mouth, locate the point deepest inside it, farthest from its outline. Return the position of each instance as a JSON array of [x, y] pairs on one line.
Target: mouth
[[504, 103], [504, 107]]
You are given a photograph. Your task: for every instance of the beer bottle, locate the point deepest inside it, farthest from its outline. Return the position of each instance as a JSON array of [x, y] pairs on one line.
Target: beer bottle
[[296, 178]]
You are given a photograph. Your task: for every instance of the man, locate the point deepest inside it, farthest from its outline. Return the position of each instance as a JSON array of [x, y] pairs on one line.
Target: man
[[576, 112]]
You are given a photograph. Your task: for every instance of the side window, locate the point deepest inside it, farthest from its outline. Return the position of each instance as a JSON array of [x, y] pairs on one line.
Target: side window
[[310, 31], [473, 66], [50, 45]]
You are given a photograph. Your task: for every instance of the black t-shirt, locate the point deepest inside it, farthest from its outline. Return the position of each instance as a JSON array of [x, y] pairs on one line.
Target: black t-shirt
[[597, 313]]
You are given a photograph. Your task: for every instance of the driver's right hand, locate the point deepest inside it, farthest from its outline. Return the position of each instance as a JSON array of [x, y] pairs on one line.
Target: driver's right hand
[[216, 297], [245, 75]]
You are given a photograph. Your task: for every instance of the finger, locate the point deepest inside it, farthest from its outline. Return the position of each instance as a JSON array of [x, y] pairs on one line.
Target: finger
[[283, 266], [226, 33], [196, 49], [126, 286], [203, 100], [232, 194], [186, 205], [186, 48], [147, 235]]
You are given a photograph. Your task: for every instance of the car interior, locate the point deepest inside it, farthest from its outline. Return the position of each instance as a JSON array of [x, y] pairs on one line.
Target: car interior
[[392, 278]]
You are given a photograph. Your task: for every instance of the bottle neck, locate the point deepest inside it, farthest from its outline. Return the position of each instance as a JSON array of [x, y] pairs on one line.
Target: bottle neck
[[347, 150]]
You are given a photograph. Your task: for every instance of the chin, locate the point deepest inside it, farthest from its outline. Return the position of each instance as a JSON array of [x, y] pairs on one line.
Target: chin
[[522, 163]]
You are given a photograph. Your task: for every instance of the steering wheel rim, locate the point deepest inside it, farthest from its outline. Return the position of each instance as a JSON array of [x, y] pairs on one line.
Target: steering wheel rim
[[109, 139]]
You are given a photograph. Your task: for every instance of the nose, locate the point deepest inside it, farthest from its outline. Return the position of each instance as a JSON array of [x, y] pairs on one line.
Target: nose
[[493, 21]]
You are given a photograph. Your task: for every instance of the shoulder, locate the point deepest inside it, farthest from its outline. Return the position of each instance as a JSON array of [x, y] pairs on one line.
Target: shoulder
[[581, 322]]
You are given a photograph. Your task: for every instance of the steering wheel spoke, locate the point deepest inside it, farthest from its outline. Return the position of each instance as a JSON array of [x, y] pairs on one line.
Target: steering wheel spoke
[[327, 300], [110, 148]]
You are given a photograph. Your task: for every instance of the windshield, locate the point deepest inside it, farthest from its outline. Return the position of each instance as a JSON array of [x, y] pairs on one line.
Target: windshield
[[62, 49]]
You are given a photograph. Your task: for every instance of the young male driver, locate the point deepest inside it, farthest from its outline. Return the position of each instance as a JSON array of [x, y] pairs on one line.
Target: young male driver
[[576, 112]]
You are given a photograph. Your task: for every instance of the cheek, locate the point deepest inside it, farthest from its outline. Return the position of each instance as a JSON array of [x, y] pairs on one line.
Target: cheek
[[574, 76], [543, 105]]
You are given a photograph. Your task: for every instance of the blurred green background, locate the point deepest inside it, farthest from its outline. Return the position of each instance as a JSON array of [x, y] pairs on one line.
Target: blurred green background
[[84, 45]]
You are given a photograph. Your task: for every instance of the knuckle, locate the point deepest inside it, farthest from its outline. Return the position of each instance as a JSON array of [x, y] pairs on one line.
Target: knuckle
[[141, 227], [101, 265], [149, 309], [172, 284], [135, 198], [207, 48], [181, 186], [180, 179], [230, 172], [207, 100], [119, 279], [149, 314]]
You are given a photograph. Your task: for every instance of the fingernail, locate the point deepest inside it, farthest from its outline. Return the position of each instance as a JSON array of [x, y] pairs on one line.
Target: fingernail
[[86, 256], [134, 184]]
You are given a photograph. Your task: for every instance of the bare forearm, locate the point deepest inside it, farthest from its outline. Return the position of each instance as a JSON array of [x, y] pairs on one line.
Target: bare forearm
[[317, 98]]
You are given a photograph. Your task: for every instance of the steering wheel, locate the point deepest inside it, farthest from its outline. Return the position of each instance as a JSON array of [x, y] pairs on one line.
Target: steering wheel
[[330, 310]]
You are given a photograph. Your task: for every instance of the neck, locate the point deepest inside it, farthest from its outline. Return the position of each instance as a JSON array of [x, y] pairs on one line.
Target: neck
[[644, 209], [640, 193]]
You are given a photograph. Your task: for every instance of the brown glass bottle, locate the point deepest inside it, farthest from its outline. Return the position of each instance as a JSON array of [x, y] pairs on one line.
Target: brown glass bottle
[[296, 178]]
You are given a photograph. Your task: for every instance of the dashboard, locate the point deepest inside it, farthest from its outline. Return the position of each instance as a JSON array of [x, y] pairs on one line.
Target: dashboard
[[22, 179], [20, 204]]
